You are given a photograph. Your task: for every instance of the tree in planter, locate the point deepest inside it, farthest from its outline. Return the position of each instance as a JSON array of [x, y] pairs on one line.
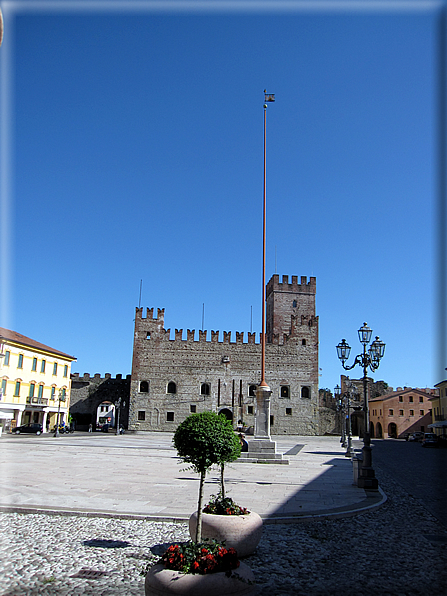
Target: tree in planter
[[203, 440]]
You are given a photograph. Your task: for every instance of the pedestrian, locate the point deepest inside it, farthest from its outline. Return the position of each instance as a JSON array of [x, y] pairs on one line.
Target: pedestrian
[[90, 427]]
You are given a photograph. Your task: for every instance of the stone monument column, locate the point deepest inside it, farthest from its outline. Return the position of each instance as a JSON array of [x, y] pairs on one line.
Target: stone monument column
[[262, 416]]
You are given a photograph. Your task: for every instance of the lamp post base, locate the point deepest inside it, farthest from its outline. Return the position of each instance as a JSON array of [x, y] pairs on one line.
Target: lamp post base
[[367, 479]]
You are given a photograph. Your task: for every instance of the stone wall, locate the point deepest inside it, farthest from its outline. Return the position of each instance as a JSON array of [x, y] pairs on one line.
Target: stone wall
[[88, 392]]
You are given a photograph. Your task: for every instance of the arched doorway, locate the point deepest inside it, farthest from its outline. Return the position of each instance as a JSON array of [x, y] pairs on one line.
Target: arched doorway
[[379, 434], [227, 413], [371, 430], [392, 430]]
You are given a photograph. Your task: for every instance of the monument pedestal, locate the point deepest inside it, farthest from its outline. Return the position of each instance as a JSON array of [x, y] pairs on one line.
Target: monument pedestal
[[262, 449]]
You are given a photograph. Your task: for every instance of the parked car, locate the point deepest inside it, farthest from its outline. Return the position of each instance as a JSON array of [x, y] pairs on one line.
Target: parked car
[[430, 440], [29, 429], [417, 436]]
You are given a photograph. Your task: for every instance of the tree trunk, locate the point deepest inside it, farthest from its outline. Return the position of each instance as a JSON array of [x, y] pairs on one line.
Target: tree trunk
[[199, 510], [222, 485]]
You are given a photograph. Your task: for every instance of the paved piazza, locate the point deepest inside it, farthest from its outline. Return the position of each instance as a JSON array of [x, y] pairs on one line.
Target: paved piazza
[[398, 548]]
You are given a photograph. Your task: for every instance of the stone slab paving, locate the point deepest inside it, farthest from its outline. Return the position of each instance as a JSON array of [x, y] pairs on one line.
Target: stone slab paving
[[141, 475]]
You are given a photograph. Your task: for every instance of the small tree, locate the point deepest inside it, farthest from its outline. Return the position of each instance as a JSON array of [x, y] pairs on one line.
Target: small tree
[[203, 440]]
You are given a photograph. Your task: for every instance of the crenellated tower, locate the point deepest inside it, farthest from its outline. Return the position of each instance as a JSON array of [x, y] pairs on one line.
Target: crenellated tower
[[289, 307]]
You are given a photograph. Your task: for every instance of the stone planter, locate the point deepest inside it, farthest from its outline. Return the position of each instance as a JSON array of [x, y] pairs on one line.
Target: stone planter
[[242, 532], [165, 582]]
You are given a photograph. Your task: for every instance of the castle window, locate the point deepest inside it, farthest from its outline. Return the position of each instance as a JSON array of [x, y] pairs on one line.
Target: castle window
[[285, 391], [169, 416], [303, 342], [193, 408], [205, 389], [272, 420], [288, 411], [250, 410], [148, 335], [252, 391], [305, 392], [172, 387], [20, 364], [144, 387], [42, 366], [55, 368], [142, 415], [294, 304], [34, 365]]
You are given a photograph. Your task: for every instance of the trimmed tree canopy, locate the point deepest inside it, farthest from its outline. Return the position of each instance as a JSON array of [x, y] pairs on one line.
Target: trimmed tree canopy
[[205, 439]]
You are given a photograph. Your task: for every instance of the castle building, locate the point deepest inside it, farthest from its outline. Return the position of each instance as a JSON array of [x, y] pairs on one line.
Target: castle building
[[172, 378], [35, 382]]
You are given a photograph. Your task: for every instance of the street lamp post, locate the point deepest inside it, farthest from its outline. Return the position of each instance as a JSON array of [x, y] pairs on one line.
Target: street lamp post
[[61, 397], [346, 399], [342, 409], [368, 359], [118, 409]]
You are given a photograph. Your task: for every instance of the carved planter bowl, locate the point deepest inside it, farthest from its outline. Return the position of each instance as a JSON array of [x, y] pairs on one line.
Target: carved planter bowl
[[165, 582], [242, 532]]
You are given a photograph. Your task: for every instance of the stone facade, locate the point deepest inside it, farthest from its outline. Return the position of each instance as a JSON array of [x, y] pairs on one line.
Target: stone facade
[[172, 378], [89, 392]]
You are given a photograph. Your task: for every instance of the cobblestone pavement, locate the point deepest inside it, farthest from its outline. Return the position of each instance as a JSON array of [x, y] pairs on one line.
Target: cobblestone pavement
[[398, 549]]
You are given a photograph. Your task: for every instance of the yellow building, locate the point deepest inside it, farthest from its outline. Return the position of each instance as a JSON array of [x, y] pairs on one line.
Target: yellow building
[[35, 382], [439, 410]]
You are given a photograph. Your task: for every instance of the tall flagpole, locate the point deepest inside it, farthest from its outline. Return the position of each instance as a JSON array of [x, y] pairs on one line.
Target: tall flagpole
[[261, 448], [268, 97]]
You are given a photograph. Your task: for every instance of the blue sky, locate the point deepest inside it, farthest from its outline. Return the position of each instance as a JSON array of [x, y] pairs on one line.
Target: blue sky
[[136, 153]]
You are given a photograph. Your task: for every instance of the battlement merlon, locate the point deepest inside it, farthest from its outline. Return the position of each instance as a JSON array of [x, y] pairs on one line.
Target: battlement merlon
[[304, 287], [150, 314], [86, 377]]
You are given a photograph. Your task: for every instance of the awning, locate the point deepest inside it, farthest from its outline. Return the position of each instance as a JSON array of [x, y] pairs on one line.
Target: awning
[[441, 424], [6, 415]]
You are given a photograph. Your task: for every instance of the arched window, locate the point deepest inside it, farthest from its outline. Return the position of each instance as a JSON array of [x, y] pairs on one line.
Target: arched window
[[205, 389], [285, 391], [172, 387], [252, 391], [305, 392], [144, 387]]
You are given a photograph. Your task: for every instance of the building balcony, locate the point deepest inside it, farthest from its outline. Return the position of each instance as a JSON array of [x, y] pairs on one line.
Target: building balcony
[[37, 401]]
